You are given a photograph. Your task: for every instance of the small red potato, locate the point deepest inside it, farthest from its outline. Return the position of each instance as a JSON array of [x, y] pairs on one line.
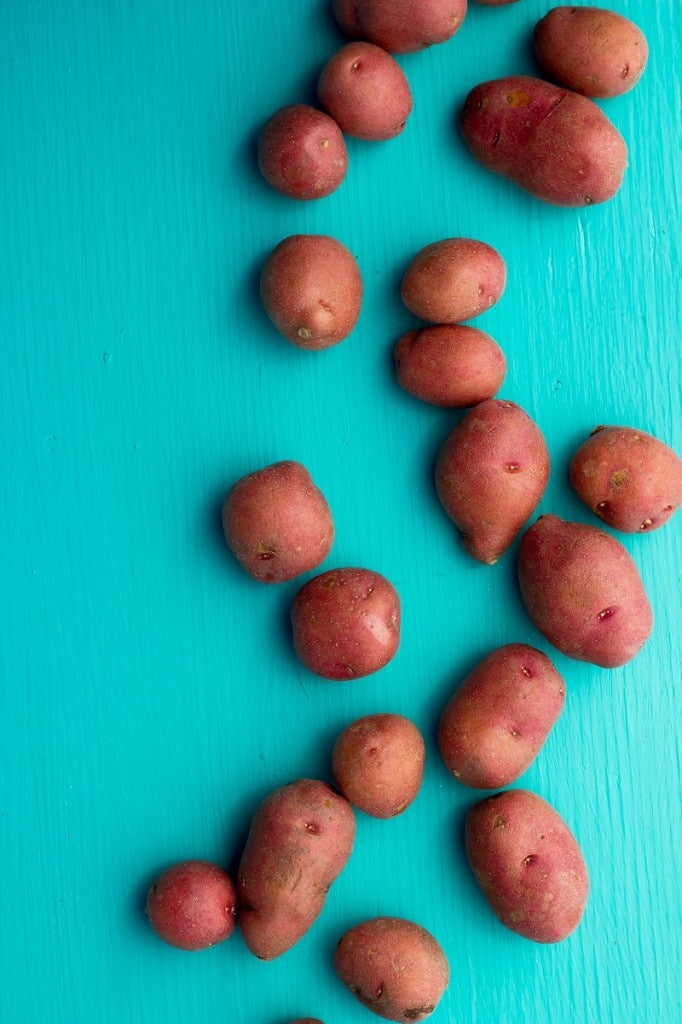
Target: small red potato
[[593, 51], [583, 592], [451, 365], [277, 523], [528, 864], [378, 764], [394, 967], [311, 289], [301, 152], [366, 92], [193, 905], [491, 472], [453, 279], [555, 144], [628, 478], [346, 623], [401, 26], [496, 722], [300, 840]]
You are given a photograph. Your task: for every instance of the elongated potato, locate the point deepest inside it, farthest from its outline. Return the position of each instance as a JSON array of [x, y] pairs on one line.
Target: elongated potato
[[401, 26], [300, 840]]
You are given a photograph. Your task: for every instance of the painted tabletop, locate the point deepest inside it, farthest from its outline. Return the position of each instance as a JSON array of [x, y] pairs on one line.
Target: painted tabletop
[[150, 694]]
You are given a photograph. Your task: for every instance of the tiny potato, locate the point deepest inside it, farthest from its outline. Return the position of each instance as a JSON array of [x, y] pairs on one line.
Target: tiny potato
[[301, 152], [453, 279], [401, 26], [193, 905], [451, 365], [366, 92]]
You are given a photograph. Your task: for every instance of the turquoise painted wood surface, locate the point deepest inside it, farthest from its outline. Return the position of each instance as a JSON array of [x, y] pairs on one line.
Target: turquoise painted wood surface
[[150, 696]]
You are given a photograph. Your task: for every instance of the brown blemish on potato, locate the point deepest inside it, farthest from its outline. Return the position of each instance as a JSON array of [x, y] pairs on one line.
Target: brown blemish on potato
[[499, 821], [417, 1012], [619, 477], [625, 71], [518, 98], [646, 524], [324, 143], [304, 333]]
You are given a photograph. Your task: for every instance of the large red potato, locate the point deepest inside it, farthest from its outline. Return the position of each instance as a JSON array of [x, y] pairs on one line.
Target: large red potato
[[401, 26], [451, 365], [302, 153], [366, 92], [193, 905], [453, 279]]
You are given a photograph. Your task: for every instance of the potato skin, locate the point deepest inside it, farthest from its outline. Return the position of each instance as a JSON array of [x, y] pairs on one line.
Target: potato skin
[[555, 144], [300, 840], [301, 152], [346, 623], [583, 591], [366, 92], [453, 279], [495, 3], [528, 864], [401, 26], [495, 723], [593, 51], [628, 478], [451, 365], [306, 1020], [277, 523], [311, 289], [394, 967], [193, 905], [378, 764], [491, 472]]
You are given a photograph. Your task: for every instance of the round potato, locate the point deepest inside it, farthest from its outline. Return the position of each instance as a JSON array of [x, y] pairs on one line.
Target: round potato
[[301, 152], [378, 764], [277, 523], [193, 905], [394, 967], [366, 92], [346, 623], [311, 289], [401, 26], [495, 723], [451, 365], [453, 279], [593, 51], [528, 864]]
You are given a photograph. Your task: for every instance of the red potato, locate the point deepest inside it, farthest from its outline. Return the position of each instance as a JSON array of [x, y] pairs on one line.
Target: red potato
[[491, 473], [378, 764], [453, 279], [300, 840], [593, 51], [451, 365], [366, 92], [555, 144], [394, 967], [301, 152], [346, 623], [277, 523], [311, 289], [193, 905], [628, 478], [401, 26], [496, 722], [583, 592], [528, 864]]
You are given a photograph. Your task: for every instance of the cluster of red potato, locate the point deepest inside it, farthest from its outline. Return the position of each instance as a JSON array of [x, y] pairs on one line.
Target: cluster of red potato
[[580, 586]]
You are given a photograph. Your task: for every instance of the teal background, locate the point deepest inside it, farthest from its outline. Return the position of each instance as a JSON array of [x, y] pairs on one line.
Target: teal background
[[150, 696]]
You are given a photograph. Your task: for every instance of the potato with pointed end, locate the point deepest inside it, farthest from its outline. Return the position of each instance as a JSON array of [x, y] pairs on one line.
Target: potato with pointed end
[[583, 592], [302, 152], [193, 905], [393, 967], [491, 472], [528, 864], [453, 279], [366, 92], [496, 722], [401, 26], [451, 365], [628, 478], [300, 840], [555, 144]]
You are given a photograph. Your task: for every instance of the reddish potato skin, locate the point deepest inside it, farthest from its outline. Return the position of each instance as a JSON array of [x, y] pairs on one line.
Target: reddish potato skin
[[300, 840], [528, 864], [346, 623], [277, 523], [378, 764], [301, 152], [628, 478], [591, 50], [311, 289], [453, 279], [555, 144], [401, 26], [583, 592], [490, 474], [394, 967], [366, 92], [450, 365], [494, 725], [193, 905]]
